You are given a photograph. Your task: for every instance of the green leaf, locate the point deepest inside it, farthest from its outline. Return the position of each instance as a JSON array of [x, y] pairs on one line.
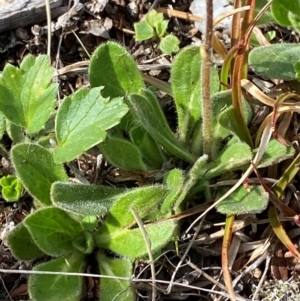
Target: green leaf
[[226, 119], [153, 18], [84, 199], [222, 128], [243, 202], [36, 170], [275, 60], [82, 120], [114, 288], [269, 35], [174, 180], [110, 66], [11, 189], [295, 20], [53, 230], [30, 92], [143, 199], [233, 157], [169, 44], [85, 243], [286, 13], [21, 245], [280, 12], [58, 287], [189, 181], [143, 31], [173, 203], [297, 69], [161, 29], [275, 153], [130, 158], [148, 147], [185, 78], [90, 223], [267, 16], [15, 133], [147, 110], [2, 125], [130, 243]]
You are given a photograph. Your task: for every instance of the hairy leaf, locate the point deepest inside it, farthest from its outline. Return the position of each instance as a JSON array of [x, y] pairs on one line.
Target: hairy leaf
[[36, 170], [147, 110], [82, 121], [30, 92], [84, 199], [112, 67], [130, 242], [143, 199], [148, 147], [185, 77], [53, 230], [275, 60], [114, 288], [58, 287], [21, 245], [254, 199], [123, 154]]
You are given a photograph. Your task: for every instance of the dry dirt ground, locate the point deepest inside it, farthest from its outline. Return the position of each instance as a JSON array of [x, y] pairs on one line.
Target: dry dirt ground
[[95, 22]]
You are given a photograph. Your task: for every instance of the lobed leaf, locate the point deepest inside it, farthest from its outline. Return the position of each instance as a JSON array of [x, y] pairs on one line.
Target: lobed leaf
[[143, 31], [11, 188], [30, 92], [82, 121], [169, 44], [153, 18]]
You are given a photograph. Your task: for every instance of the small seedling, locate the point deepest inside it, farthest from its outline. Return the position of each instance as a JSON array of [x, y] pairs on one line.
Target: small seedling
[[154, 26], [11, 188]]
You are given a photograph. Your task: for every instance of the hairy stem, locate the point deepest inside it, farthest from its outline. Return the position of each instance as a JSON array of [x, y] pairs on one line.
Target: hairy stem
[[205, 52]]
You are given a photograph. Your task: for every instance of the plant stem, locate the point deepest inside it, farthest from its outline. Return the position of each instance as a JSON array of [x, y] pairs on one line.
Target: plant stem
[[205, 52]]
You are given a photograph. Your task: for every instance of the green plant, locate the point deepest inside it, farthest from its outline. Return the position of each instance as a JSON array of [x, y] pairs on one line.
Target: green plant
[[69, 237], [154, 26], [118, 112], [286, 13], [11, 188]]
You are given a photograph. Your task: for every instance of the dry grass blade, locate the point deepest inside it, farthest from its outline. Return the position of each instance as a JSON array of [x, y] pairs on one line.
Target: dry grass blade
[[148, 244]]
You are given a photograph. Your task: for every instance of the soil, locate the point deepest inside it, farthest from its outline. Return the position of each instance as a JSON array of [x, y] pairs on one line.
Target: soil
[[94, 23]]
